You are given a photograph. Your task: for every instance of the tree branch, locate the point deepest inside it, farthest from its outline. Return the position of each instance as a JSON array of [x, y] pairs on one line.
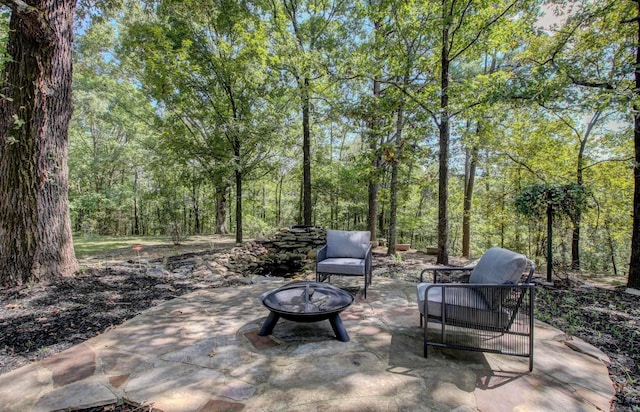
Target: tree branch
[[482, 30], [526, 166], [19, 7], [37, 27], [633, 19], [606, 86]]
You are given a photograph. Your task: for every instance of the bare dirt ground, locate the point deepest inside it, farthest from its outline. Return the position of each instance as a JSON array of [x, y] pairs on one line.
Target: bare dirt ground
[[40, 320]]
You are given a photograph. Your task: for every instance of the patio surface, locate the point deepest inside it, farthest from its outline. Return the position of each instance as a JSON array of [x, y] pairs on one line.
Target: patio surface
[[201, 352]]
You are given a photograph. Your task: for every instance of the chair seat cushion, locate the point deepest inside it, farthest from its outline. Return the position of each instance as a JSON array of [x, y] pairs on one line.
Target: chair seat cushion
[[343, 266], [463, 306]]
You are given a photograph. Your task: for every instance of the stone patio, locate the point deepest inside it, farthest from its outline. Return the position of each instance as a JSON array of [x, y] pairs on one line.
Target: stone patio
[[201, 352]]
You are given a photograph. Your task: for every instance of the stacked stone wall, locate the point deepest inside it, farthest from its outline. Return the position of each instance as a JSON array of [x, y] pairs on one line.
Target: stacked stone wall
[[300, 241]]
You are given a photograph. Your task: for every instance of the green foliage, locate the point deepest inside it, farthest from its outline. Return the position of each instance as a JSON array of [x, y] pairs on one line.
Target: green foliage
[[173, 98], [564, 200], [4, 37]]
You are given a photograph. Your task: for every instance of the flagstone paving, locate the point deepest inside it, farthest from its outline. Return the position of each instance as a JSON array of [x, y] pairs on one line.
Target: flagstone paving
[[201, 352]]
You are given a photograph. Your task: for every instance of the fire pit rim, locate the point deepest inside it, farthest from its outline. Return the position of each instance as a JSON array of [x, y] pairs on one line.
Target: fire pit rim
[[307, 316]]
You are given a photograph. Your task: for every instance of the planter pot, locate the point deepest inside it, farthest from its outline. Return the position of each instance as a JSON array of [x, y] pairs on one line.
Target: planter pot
[[403, 246]]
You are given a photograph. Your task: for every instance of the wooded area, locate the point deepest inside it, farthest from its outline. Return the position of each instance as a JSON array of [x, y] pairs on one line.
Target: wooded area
[[458, 124]]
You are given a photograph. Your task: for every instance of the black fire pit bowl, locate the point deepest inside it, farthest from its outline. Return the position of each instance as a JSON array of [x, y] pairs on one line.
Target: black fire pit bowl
[[306, 302]]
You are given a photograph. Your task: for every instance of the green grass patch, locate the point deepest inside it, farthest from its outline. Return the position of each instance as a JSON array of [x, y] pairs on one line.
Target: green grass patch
[[99, 245]]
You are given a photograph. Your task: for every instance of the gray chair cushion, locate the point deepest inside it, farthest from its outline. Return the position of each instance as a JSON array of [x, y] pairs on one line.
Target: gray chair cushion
[[343, 266], [499, 266], [347, 244], [463, 306]]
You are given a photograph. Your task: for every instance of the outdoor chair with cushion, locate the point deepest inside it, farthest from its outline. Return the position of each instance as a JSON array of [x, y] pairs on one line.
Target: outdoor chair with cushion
[[347, 253], [491, 311]]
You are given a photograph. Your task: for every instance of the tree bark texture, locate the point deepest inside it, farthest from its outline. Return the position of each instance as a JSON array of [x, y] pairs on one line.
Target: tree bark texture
[[35, 109], [634, 264]]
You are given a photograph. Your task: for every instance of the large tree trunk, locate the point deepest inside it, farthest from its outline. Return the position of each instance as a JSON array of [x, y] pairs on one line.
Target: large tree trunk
[[35, 109], [634, 263]]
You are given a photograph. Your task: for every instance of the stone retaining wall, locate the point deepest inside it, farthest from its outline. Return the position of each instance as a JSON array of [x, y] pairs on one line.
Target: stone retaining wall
[[297, 240]]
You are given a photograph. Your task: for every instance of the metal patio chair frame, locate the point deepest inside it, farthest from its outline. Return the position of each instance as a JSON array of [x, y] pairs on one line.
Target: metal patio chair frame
[[485, 315], [346, 253]]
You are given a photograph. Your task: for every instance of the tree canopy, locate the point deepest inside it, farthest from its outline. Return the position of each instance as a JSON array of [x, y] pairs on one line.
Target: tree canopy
[[425, 122]]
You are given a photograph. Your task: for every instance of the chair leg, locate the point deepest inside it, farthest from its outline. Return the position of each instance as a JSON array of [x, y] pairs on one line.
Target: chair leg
[[321, 277], [426, 339]]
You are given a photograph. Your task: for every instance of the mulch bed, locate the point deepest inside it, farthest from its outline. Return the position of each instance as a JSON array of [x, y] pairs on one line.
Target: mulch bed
[[38, 321]]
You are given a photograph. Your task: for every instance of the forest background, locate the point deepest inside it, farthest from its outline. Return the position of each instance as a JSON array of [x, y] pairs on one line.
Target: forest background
[[450, 124]]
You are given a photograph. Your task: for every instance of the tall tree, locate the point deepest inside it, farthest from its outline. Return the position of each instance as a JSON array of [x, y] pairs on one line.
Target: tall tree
[[219, 61], [634, 264], [305, 35], [109, 132], [591, 51], [462, 26], [35, 109]]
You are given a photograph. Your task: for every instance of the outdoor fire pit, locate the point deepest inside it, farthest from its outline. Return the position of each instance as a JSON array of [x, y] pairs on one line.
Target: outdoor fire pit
[[306, 302]]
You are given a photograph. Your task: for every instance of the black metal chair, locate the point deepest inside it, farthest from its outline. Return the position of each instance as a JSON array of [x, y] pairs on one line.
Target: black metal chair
[[347, 253], [488, 310]]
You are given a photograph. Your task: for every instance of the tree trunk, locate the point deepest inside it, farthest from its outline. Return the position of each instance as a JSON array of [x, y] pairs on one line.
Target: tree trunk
[[35, 109], [612, 247], [577, 218], [279, 201], [443, 157], [375, 164], [549, 242], [136, 212], [238, 206], [221, 210], [306, 153], [393, 207], [197, 225], [634, 264], [468, 194]]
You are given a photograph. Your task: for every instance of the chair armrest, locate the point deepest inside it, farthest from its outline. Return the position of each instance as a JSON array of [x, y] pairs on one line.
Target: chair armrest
[[497, 293], [368, 260], [436, 269], [322, 254]]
